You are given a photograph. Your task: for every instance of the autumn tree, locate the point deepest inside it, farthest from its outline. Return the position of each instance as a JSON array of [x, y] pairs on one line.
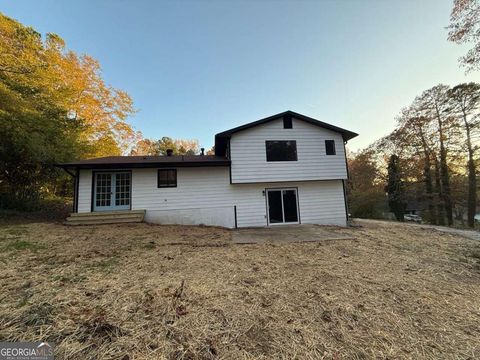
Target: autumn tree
[[435, 144], [465, 28], [436, 141], [146, 147], [35, 132], [102, 108], [54, 106], [211, 151], [413, 135], [465, 102], [46, 72], [435, 106], [366, 194], [160, 147], [186, 146]]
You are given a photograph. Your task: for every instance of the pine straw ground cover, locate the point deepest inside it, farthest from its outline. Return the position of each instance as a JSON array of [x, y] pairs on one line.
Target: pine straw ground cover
[[151, 292]]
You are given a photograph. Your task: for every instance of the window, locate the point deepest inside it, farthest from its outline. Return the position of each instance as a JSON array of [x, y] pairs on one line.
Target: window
[[281, 150], [287, 122], [330, 147], [167, 178]]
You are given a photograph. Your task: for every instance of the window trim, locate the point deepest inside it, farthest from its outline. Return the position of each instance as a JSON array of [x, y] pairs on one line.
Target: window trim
[[292, 141], [168, 185], [334, 147]]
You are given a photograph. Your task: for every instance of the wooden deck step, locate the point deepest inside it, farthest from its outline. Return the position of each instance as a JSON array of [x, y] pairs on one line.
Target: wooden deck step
[[103, 213], [106, 217]]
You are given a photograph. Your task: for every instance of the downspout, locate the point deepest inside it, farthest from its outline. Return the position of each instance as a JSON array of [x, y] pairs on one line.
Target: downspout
[[343, 183]]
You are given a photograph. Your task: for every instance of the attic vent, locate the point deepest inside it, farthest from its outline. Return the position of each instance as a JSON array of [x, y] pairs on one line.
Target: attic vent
[[287, 122]]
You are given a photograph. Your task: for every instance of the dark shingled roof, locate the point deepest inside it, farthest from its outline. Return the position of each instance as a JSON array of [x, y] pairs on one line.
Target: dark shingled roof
[[219, 159], [111, 162], [221, 139]]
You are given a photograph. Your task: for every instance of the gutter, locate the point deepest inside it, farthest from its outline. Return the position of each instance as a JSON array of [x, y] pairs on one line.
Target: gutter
[[66, 166]]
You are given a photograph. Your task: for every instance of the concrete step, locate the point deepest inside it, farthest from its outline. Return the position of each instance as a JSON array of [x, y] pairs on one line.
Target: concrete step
[[103, 213], [100, 222], [106, 217]]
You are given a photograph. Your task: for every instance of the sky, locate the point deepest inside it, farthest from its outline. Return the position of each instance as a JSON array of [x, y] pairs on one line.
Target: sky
[[195, 68]]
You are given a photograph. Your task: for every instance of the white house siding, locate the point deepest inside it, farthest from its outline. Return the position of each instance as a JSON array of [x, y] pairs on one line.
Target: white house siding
[[85, 191], [249, 162], [204, 195], [322, 202]]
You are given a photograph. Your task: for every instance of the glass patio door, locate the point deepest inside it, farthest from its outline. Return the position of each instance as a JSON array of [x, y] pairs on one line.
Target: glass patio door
[[282, 206], [112, 191]]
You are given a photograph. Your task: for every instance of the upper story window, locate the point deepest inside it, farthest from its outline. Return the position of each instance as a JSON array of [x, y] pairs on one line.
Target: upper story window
[[167, 178], [287, 122], [330, 147], [281, 150]]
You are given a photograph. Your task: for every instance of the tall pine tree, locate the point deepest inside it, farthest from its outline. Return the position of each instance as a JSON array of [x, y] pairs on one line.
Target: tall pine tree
[[395, 188]]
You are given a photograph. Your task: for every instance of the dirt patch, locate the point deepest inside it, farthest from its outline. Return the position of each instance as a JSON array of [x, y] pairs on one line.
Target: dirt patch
[[179, 292]]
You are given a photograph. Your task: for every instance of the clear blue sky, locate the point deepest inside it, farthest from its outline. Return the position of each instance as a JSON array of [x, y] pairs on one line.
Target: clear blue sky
[[195, 68]]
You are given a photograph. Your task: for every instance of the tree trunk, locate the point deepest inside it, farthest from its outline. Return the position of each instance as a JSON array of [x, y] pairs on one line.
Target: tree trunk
[[429, 190], [438, 189], [472, 193], [427, 173], [472, 180], [446, 189], [444, 175]]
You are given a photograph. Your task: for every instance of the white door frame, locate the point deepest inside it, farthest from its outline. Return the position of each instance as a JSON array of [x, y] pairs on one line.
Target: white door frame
[[113, 191], [267, 190]]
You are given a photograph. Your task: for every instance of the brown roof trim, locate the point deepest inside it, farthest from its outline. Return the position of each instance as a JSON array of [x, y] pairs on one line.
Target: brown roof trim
[[130, 162]]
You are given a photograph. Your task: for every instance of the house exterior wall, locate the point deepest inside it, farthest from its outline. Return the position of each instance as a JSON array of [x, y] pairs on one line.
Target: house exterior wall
[[249, 162], [204, 195], [85, 191]]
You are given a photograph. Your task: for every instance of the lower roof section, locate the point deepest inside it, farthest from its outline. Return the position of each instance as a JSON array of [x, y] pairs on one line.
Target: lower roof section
[[128, 162]]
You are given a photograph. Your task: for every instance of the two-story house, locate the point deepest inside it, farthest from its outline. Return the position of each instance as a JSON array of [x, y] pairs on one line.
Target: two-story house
[[284, 169]]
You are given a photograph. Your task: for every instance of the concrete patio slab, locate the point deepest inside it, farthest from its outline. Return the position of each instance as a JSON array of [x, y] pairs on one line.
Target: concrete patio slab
[[286, 233]]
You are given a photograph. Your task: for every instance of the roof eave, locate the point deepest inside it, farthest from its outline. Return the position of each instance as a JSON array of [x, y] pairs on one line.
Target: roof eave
[[143, 165]]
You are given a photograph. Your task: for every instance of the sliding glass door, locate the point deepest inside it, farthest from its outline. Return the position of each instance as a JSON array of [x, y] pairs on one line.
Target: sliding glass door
[[282, 206]]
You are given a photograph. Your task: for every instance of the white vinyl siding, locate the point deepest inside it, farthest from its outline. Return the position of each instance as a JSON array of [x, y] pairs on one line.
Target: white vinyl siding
[[201, 189], [205, 195], [85, 191], [322, 202], [248, 154]]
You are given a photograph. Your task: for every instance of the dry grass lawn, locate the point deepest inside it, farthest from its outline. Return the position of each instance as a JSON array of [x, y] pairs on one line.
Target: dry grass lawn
[[173, 292]]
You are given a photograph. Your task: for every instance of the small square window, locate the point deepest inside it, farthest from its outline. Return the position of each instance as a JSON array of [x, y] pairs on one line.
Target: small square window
[[287, 122], [330, 147], [167, 178]]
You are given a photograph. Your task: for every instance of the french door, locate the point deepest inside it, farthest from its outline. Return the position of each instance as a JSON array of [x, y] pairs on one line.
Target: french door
[[282, 206], [112, 191]]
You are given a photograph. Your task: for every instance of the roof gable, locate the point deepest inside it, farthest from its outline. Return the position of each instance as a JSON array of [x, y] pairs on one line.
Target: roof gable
[[221, 139]]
